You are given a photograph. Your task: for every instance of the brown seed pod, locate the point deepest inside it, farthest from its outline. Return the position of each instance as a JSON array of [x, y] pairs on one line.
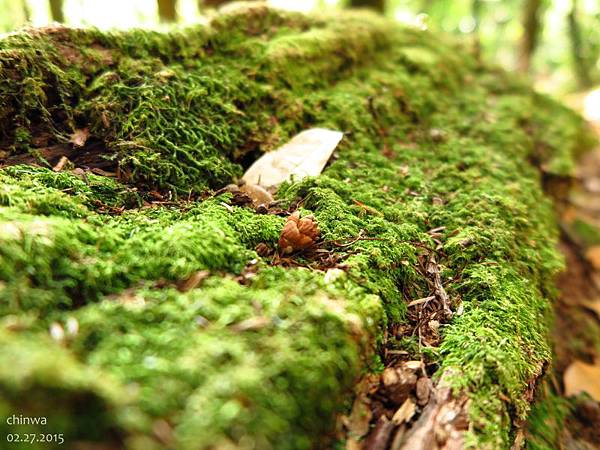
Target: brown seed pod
[[298, 233]]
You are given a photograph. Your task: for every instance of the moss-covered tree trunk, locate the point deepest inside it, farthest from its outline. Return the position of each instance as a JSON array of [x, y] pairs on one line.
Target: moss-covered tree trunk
[[143, 305]]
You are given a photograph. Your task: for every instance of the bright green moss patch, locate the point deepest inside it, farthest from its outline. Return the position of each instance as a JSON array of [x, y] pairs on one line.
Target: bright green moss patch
[[433, 139]]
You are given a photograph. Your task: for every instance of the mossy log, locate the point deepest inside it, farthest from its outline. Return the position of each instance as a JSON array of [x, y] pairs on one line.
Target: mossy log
[[135, 310]]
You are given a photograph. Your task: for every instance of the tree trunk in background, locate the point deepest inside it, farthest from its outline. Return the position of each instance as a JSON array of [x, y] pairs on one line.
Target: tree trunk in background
[[167, 10], [211, 3], [476, 13], [377, 5], [56, 11], [531, 30], [26, 10], [425, 5], [580, 66]]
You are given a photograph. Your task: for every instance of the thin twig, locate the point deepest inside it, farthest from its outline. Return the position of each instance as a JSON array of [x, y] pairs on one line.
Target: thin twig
[[433, 269]]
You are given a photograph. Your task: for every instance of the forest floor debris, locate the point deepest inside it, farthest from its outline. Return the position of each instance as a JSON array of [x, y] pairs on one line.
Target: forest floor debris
[[572, 384]]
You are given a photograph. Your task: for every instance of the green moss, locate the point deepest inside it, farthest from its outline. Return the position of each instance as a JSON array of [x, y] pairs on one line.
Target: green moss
[[71, 196], [546, 422], [75, 399], [584, 232], [433, 139]]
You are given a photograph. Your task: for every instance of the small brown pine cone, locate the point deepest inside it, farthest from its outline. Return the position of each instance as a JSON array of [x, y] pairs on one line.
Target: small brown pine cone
[[263, 249], [298, 233]]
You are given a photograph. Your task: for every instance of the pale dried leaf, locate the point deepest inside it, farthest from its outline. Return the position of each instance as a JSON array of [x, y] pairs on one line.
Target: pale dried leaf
[[581, 377], [420, 301], [258, 194], [360, 417], [332, 275], [413, 365], [405, 412], [60, 164], [252, 324], [57, 332], [129, 299], [72, 326], [79, 137], [306, 154]]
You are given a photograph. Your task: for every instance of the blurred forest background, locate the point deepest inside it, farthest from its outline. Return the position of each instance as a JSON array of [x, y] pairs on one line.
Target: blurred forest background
[[556, 42]]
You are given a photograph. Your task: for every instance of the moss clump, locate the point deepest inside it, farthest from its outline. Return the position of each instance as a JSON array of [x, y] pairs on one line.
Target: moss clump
[[434, 139]]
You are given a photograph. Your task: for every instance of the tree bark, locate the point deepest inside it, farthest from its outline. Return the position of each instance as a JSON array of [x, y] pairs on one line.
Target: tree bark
[[56, 11], [532, 26], [167, 10], [377, 5]]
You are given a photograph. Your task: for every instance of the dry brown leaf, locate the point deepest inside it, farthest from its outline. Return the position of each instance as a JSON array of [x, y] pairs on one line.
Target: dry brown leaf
[[569, 215], [397, 384], [304, 155], [60, 164], [581, 377], [593, 256], [593, 305], [104, 173], [405, 412], [79, 137], [193, 281]]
